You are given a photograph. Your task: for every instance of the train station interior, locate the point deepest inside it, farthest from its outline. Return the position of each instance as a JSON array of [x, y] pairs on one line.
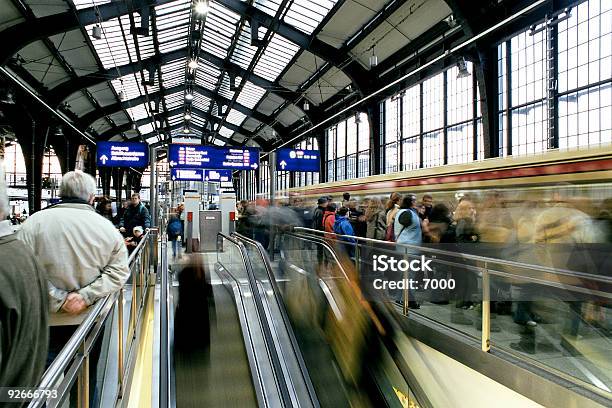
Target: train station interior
[[305, 203]]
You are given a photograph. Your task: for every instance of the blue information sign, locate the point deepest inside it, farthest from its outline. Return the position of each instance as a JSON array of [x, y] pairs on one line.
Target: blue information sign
[[187, 174], [200, 175], [122, 154], [297, 160], [210, 157]]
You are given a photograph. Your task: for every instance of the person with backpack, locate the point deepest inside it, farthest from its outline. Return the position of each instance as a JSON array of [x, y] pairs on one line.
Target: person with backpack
[[342, 226], [407, 230], [329, 218], [174, 230]]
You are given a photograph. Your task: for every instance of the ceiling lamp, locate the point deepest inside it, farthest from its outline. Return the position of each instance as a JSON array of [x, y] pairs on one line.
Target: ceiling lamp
[[462, 67], [96, 32], [121, 96], [133, 125], [193, 64], [357, 117], [306, 106], [187, 116], [201, 7], [189, 96], [373, 59], [186, 130]]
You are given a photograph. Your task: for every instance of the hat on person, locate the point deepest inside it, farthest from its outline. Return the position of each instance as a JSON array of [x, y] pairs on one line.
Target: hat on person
[[139, 229], [322, 200]]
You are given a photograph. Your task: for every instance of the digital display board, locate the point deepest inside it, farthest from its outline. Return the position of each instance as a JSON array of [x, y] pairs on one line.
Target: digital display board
[[212, 157], [200, 175], [122, 154], [297, 160]]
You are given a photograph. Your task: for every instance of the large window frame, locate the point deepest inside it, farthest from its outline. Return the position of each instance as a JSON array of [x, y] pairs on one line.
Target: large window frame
[[348, 148]]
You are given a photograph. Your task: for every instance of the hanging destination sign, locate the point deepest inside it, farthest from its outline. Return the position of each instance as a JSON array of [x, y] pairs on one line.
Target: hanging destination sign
[[212, 157], [122, 154], [297, 160], [200, 175]]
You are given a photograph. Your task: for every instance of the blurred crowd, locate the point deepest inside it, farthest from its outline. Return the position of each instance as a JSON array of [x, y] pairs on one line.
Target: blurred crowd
[[557, 229]]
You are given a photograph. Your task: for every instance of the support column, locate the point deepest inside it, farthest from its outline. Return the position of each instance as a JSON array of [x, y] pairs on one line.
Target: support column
[[105, 177], [117, 176], [373, 110], [487, 76], [31, 135]]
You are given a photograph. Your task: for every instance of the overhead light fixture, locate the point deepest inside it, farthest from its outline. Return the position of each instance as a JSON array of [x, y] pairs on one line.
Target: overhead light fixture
[[121, 96], [357, 117], [187, 116], [373, 59], [193, 64], [306, 106], [59, 131], [96, 32], [201, 7], [186, 130], [8, 98], [189, 96], [451, 21], [462, 67], [133, 125]]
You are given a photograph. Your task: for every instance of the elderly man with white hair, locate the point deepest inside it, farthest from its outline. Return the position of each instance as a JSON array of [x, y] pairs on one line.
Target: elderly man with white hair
[[83, 254], [23, 306]]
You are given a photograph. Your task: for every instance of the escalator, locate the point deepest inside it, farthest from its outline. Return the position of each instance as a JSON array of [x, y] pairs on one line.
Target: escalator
[[281, 335]]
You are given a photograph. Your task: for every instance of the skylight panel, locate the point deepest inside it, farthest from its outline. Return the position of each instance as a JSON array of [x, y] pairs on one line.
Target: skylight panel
[[175, 100], [269, 7], [111, 47], [152, 139], [198, 120], [81, 4], [236, 118], [131, 86], [243, 53], [139, 112], [207, 75], [219, 30], [224, 89], [172, 23], [275, 58], [175, 119], [306, 15], [200, 101], [225, 132], [219, 142], [146, 129], [251, 94], [173, 73]]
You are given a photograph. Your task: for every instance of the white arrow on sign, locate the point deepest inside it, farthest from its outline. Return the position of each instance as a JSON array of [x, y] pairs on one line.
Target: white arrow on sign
[[254, 165], [103, 159], [283, 164], [172, 163], [173, 177]]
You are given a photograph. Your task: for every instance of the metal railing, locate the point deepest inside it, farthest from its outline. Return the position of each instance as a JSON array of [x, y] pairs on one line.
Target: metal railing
[[486, 268], [72, 363], [284, 390]]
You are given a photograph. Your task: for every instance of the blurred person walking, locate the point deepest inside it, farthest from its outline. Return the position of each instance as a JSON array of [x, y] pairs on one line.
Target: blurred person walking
[[376, 220], [392, 208], [174, 231], [24, 331], [85, 260]]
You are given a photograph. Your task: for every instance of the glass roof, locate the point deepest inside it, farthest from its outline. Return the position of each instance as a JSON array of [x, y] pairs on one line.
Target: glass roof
[[226, 37]]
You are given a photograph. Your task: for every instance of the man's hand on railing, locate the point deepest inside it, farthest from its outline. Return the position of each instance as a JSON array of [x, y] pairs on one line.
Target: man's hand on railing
[[74, 304]]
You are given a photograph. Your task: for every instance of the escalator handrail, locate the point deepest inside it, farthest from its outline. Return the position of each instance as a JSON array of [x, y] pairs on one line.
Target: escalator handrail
[[285, 318], [280, 381], [464, 256], [404, 369]]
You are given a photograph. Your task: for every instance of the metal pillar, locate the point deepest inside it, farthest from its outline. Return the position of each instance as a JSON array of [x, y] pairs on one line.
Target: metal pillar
[[153, 185], [272, 164]]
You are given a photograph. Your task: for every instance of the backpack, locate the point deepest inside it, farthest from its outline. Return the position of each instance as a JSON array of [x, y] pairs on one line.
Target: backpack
[[174, 228]]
